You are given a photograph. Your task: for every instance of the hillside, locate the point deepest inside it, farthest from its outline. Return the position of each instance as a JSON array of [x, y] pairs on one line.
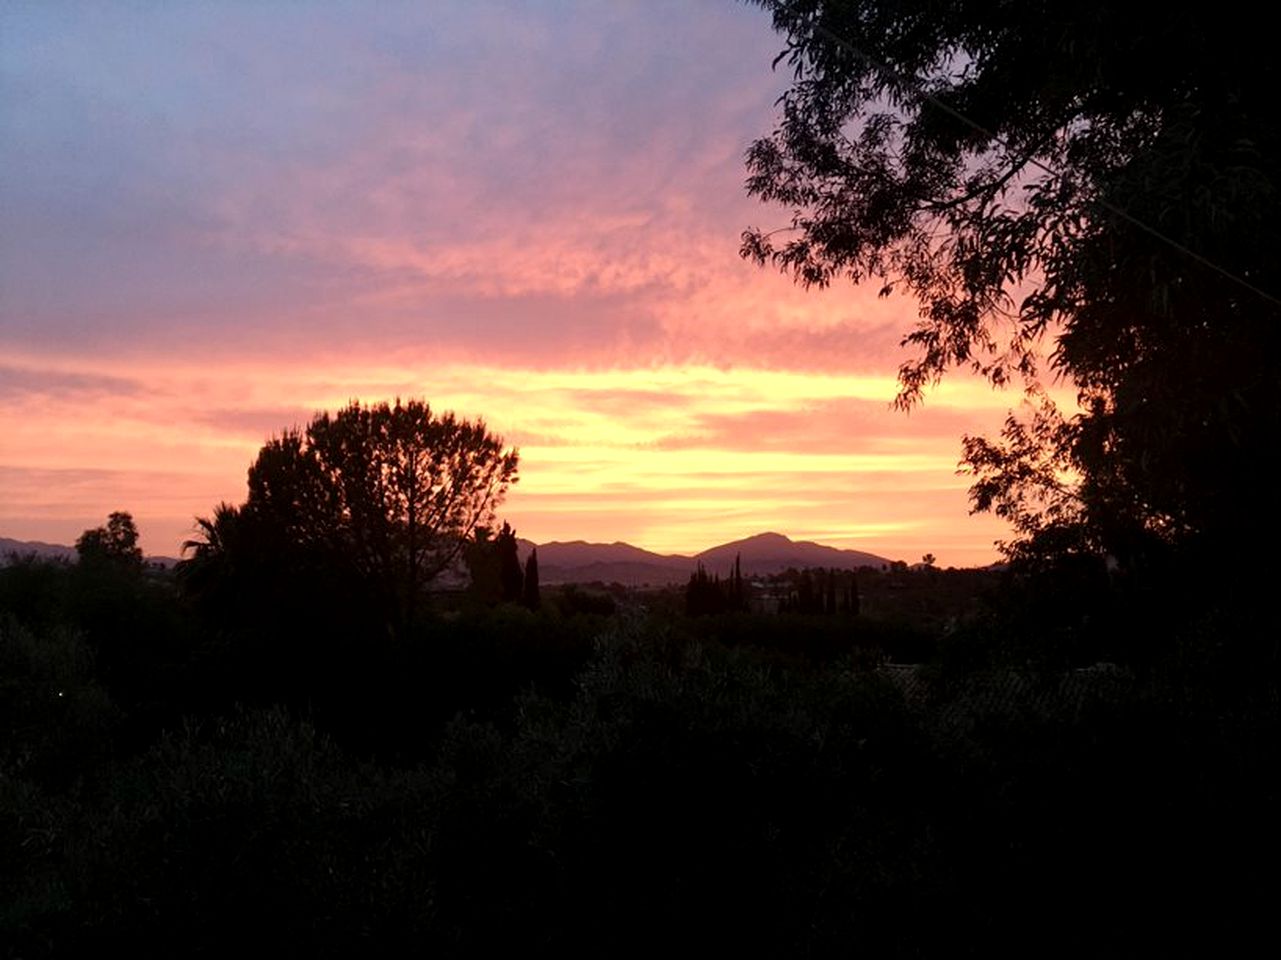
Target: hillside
[[761, 555], [578, 561]]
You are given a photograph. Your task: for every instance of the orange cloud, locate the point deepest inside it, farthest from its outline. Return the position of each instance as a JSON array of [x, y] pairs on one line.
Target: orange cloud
[[218, 223], [673, 457]]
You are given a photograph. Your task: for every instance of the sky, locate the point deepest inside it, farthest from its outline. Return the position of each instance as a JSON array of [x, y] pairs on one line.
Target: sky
[[222, 217]]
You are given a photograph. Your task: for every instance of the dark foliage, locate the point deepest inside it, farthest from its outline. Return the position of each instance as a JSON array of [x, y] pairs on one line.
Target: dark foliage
[[573, 601], [530, 592], [1101, 176], [820, 591], [493, 563], [591, 778], [706, 594], [115, 545], [525, 789], [361, 512]]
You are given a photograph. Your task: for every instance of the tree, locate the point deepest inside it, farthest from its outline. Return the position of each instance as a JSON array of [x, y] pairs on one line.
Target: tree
[[1076, 179], [389, 493], [493, 563], [115, 545], [231, 570], [510, 574], [703, 596], [852, 604], [532, 599]]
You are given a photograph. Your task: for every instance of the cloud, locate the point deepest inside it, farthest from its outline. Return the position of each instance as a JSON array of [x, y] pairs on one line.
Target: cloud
[[17, 383], [674, 456], [848, 426], [259, 423], [497, 179], [220, 219]]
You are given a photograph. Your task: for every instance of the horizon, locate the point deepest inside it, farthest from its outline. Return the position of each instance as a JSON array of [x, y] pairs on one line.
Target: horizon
[[691, 555], [220, 224]]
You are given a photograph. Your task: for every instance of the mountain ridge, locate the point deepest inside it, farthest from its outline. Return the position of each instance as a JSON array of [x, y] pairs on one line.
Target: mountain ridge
[[581, 561], [56, 551]]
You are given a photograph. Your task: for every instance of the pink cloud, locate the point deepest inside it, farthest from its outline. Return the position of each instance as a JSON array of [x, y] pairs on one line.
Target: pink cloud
[[523, 212]]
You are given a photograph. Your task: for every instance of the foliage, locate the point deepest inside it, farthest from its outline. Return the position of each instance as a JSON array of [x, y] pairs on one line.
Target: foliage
[[115, 545], [675, 790], [705, 594], [375, 500], [1082, 174], [530, 595], [55, 718], [605, 778], [820, 591], [34, 591], [212, 566], [493, 563], [572, 600]]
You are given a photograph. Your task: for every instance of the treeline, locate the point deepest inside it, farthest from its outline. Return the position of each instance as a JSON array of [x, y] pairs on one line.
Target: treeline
[[706, 595], [298, 732], [579, 782], [495, 571], [821, 591]]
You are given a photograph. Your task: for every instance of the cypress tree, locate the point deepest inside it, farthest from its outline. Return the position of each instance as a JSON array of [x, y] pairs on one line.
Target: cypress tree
[[532, 599], [510, 578]]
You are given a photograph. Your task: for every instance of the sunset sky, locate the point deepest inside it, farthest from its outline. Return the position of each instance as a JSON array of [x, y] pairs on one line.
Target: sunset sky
[[219, 218]]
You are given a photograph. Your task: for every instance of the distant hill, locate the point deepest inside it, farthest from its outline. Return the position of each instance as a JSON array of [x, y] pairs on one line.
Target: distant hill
[[761, 555], [578, 553], [26, 548], [768, 553], [53, 551], [577, 561]]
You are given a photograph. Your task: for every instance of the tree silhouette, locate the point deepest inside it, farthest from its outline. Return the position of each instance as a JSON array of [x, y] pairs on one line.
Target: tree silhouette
[[115, 545], [737, 599], [1086, 173], [493, 563], [532, 599], [389, 492], [509, 570], [853, 603], [703, 594], [234, 569], [481, 556], [213, 551]]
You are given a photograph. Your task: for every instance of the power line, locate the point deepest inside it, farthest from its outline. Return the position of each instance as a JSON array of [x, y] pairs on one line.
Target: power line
[[911, 83]]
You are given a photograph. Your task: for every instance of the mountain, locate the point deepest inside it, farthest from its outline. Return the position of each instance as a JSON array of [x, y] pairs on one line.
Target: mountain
[[579, 552], [766, 553], [25, 548], [54, 551], [577, 561]]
